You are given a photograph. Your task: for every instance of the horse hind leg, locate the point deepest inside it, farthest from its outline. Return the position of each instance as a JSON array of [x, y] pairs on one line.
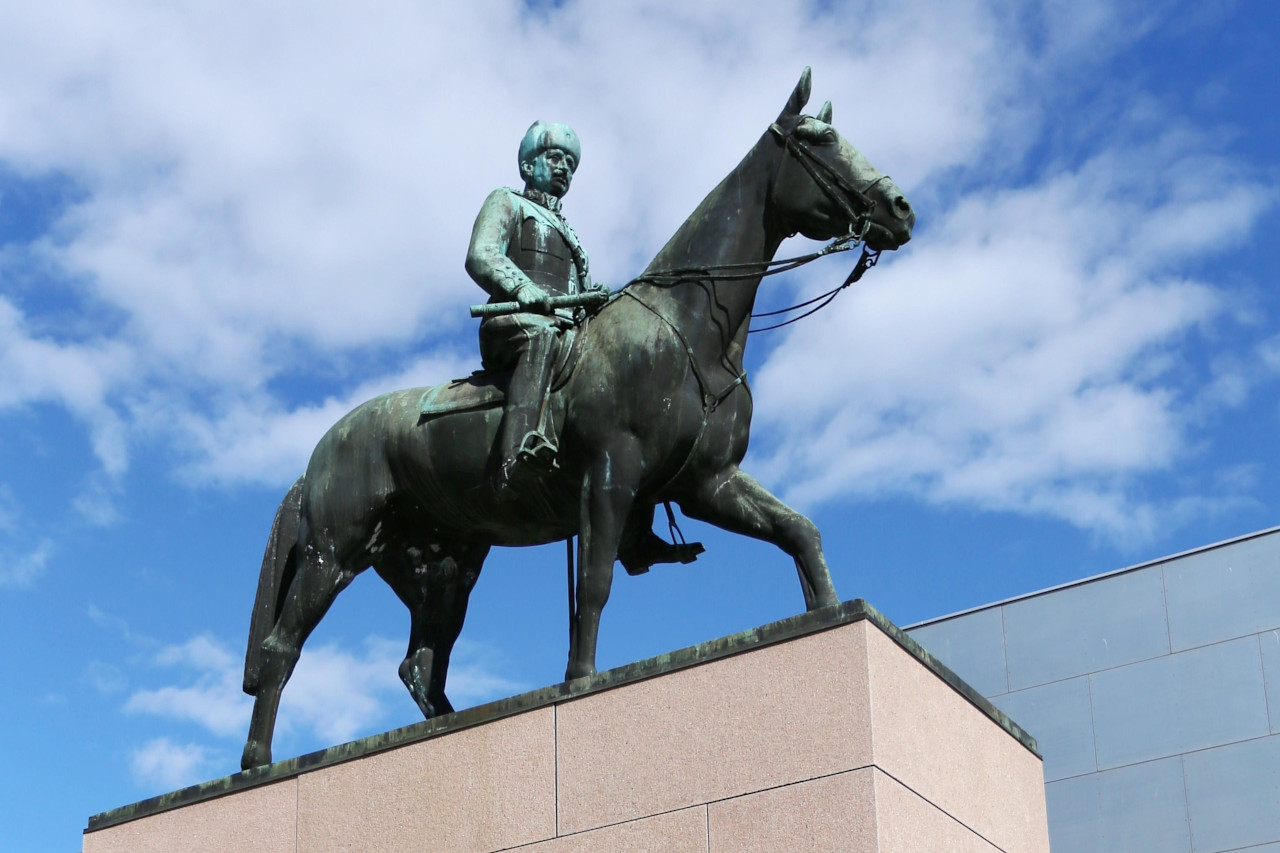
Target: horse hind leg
[[435, 584], [316, 583]]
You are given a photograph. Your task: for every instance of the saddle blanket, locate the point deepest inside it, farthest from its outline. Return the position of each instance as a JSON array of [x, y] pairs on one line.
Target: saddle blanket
[[480, 390], [486, 389]]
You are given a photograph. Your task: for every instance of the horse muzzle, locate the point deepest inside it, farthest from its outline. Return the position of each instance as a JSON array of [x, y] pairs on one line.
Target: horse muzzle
[[892, 220]]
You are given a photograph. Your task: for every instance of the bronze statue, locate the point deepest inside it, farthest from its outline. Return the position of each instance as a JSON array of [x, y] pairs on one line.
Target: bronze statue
[[648, 401], [523, 250]]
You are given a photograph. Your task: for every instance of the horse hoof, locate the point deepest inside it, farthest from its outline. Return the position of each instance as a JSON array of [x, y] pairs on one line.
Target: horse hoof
[[254, 755]]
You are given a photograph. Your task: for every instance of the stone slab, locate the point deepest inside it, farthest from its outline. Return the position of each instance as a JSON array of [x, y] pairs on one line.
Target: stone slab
[[715, 732], [908, 823], [1157, 708], [261, 820], [1103, 623], [1137, 809], [831, 815], [928, 737], [1061, 715], [972, 646], [1233, 795], [1221, 593], [482, 789], [803, 711], [684, 831]]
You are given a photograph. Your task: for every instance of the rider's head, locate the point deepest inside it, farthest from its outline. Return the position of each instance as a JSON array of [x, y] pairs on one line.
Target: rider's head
[[549, 155]]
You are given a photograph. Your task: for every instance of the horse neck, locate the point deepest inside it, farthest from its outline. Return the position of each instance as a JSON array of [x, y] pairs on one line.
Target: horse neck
[[732, 225]]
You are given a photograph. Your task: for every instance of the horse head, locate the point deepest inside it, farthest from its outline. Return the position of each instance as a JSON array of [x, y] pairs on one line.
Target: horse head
[[824, 188]]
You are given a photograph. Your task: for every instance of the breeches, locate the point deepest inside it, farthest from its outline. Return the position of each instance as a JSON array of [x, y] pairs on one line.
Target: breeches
[[505, 340]]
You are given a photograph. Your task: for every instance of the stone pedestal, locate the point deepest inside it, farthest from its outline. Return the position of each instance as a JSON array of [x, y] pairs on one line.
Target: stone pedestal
[[832, 731]]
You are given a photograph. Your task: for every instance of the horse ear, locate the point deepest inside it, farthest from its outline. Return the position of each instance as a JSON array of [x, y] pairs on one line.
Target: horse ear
[[824, 114], [800, 96]]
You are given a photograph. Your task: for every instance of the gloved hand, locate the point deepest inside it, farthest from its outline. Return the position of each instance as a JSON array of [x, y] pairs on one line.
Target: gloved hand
[[533, 298]]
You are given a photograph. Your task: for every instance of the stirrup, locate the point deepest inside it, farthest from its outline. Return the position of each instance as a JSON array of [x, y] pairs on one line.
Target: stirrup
[[538, 452]]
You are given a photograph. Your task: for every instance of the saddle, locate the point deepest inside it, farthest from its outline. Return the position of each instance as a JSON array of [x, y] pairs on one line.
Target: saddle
[[487, 389]]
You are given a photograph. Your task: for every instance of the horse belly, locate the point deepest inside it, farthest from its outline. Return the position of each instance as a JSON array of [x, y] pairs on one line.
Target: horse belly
[[443, 470]]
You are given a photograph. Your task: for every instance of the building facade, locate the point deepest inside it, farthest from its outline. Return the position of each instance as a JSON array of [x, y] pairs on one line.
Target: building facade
[[1154, 692]]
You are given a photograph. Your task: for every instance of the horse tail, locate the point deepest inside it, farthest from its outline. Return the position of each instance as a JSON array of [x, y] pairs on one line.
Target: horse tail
[[278, 566]]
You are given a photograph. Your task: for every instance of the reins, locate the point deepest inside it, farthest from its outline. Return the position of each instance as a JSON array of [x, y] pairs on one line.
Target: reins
[[836, 188]]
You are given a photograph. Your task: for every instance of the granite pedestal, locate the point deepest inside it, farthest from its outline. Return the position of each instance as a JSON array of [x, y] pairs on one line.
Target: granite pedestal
[[831, 731]]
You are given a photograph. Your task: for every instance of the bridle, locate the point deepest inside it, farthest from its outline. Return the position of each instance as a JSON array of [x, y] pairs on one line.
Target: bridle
[[857, 207]]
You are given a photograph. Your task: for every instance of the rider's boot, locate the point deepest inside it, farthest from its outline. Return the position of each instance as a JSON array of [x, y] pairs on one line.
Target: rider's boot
[[641, 548], [526, 451]]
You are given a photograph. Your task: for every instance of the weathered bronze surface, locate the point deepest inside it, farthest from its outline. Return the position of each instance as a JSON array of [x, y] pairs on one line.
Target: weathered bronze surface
[[648, 403]]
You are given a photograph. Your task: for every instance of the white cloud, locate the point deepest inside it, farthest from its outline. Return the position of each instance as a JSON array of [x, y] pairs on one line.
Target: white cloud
[[1023, 356], [19, 567], [162, 763], [210, 695], [115, 624], [39, 369], [255, 203], [339, 695], [264, 200], [104, 677], [97, 502], [474, 678], [258, 440], [334, 695]]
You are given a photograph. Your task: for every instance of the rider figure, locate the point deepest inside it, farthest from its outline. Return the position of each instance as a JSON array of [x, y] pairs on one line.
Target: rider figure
[[522, 250]]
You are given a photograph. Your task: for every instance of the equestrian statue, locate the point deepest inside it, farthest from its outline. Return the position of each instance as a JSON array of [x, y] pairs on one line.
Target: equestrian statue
[[593, 408]]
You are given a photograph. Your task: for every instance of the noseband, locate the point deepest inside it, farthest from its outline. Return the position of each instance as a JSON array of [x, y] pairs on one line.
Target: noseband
[[832, 183], [857, 207]]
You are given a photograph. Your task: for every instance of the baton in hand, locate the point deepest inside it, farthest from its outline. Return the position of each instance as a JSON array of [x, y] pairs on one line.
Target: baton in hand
[[589, 299]]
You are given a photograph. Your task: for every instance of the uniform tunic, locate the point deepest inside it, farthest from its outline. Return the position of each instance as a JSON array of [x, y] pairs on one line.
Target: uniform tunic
[[516, 241]]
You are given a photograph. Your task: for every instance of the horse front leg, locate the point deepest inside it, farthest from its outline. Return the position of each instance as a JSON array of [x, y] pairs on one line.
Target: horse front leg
[[735, 501], [608, 490]]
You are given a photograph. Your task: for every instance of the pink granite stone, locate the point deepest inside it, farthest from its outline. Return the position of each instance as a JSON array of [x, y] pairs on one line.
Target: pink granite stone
[[684, 831], [471, 791], [838, 740], [836, 814], [907, 823], [935, 742], [260, 820], [779, 714]]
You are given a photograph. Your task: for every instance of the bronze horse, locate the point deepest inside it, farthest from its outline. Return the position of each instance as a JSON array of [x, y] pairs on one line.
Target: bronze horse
[[656, 408]]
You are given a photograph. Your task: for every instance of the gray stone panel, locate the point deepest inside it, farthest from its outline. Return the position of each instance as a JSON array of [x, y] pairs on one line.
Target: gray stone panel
[[1060, 718], [1109, 622], [1138, 809], [1192, 700], [972, 646], [1269, 641], [1233, 795], [1224, 593]]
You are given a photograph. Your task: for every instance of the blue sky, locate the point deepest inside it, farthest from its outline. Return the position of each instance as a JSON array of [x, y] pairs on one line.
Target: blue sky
[[220, 229]]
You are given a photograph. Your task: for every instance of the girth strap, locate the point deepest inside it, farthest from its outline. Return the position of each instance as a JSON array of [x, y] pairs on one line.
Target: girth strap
[[710, 401]]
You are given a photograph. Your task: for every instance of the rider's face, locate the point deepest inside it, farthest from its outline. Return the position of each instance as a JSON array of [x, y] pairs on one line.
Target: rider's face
[[551, 172]]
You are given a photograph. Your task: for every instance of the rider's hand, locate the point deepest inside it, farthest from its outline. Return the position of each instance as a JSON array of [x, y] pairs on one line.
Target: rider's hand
[[533, 298]]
